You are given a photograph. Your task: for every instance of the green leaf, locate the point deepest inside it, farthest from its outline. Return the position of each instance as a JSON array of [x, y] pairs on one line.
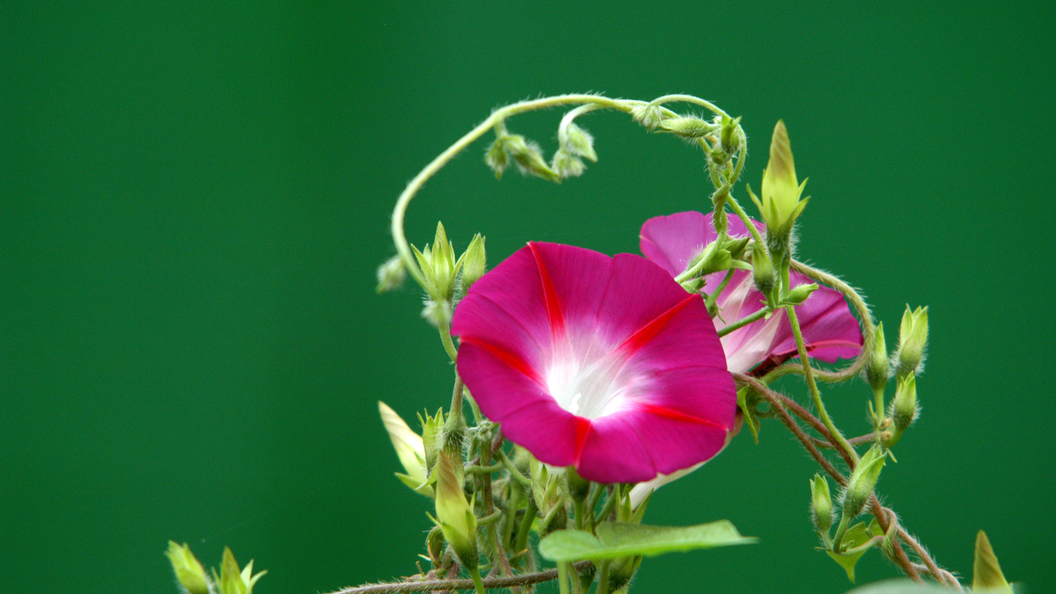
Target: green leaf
[[620, 539], [856, 535]]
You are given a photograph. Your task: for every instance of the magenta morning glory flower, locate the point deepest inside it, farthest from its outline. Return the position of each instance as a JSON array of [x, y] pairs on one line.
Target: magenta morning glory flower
[[829, 329], [605, 364]]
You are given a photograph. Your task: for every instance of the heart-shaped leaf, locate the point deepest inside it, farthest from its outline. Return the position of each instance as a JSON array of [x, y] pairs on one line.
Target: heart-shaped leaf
[[620, 539]]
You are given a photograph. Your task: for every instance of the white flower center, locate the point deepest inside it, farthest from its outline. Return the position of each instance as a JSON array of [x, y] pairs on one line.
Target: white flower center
[[588, 386]]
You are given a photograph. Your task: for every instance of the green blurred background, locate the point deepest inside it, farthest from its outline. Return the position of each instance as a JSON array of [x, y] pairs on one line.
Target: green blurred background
[[194, 198]]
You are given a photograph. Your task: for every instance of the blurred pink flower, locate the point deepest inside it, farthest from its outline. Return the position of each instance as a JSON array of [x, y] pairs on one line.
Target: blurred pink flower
[[605, 364], [829, 330]]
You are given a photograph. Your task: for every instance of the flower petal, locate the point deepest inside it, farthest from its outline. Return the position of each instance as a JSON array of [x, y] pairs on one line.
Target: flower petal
[[830, 331], [602, 363]]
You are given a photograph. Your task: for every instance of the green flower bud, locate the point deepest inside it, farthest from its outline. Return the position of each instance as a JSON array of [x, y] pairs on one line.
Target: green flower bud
[[566, 164], [877, 368], [453, 512], [391, 274], [578, 487], [235, 581], [528, 157], [781, 204], [648, 115], [800, 293], [577, 141], [189, 571], [862, 481], [731, 140], [621, 571], [434, 544], [497, 158], [439, 267], [820, 504], [409, 449], [437, 313], [986, 572], [432, 426], [763, 271], [904, 409], [475, 262], [912, 340], [689, 127]]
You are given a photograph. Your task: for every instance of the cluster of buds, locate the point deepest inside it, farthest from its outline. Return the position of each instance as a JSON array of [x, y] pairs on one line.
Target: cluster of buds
[[444, 274], [525, 154], [192, 579]]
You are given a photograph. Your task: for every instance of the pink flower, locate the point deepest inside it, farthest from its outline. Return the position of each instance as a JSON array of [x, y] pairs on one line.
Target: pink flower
[[603, 363], [829, 329]]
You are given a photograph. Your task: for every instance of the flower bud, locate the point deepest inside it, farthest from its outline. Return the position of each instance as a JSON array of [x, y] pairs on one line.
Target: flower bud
[[878, 367], [688, 127], [527, 156], [431, 429], [497, 158], [820, 504], [231, 579], [731, 140], [454, 513], [763, 271], [621, 571], [439, 267], [409, 449], [986, 572], [391, 274], [904, 409], [434, 544], [577, 141], [578, 487], [648, 115], [474, 262], [862, 481], [799, 293], [781, 204], [912, 340], [189, 571], [566, 164]]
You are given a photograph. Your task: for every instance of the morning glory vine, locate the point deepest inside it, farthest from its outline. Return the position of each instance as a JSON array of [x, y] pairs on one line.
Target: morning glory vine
[[593, 380]]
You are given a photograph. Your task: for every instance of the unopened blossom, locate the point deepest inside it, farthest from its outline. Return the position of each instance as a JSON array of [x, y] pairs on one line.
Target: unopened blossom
[[604, 364]]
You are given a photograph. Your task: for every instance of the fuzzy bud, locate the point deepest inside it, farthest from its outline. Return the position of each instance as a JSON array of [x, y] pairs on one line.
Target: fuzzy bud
[[497, 158], [528, 157], [763, 271], [391, 274], [648, 115], [189, 571], [862, 481], [731, 140], [475, 262], [565, 164], [800, 293], [877, 368], [904, 409], [820, 504], [912, 340], [454, 513], [577, 141], [688, 127]]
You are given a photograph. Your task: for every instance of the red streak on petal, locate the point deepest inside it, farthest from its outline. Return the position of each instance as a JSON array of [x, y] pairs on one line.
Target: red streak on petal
[[668, 413], [510, 359], [553, 305], [582, 427], [650, 330]]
